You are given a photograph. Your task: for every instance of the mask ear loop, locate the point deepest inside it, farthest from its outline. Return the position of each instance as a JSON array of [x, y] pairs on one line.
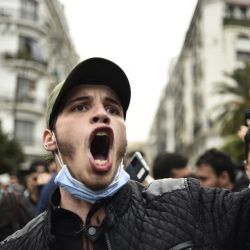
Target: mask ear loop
[[58, 156]]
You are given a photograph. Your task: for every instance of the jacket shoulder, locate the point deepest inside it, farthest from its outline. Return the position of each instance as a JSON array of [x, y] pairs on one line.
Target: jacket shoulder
[[20, 234], [159, 187]]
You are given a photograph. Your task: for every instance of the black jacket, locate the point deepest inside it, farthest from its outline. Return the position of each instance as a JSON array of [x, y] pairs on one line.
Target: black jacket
[[170, 214], [15, 210]]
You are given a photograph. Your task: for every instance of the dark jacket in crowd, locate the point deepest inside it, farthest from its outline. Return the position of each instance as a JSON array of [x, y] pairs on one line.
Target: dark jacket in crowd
[[15, 211], [170, 214], [45, 196]]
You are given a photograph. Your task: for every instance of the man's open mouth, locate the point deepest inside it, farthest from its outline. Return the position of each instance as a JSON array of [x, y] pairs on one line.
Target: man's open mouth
[[100, 145]]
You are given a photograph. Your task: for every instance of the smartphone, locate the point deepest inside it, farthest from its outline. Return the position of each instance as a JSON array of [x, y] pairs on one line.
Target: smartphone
[[138, 168]]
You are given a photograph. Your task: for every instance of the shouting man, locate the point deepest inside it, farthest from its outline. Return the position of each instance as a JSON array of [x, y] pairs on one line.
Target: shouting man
[[96, 206]]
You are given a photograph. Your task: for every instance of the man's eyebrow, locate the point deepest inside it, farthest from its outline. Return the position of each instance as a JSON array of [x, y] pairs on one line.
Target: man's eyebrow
[[112, 100], [80, 98]]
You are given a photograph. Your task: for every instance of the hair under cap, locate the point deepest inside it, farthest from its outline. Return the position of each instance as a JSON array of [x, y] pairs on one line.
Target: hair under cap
[[96, 71]]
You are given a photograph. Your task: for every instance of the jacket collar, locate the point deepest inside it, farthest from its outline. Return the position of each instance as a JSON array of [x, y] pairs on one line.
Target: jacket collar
[[115, 206]]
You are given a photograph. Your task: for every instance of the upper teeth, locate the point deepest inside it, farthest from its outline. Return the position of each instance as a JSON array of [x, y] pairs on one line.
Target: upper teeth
[[101, 133]]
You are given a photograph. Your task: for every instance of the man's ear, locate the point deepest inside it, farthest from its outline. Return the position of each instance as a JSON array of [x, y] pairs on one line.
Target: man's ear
[[49, 140]]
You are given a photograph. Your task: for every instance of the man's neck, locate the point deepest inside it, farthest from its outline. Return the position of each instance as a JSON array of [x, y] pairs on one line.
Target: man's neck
[[81, 208]]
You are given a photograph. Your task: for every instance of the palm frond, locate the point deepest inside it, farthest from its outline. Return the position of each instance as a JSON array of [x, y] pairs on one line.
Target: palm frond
[[230, 112]]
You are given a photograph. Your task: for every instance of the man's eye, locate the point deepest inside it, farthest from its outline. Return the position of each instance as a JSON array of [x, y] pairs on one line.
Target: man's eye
[[80, 107], [112, 110]]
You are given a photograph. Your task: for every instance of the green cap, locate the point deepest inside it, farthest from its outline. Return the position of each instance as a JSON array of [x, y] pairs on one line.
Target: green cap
[[96, 71], [50, 103]]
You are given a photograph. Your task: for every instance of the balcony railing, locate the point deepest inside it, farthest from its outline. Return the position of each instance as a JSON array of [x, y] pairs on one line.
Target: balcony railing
[[237, 22], [24, 55], [23, 13]]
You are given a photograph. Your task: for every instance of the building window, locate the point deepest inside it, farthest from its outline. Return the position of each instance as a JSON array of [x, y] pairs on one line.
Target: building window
[[230, 10], [234, 11], [29, 9], [25, 90], [243, 36], [197, 128], [24, 132], [243, 11], [243, 56], [29, 49]]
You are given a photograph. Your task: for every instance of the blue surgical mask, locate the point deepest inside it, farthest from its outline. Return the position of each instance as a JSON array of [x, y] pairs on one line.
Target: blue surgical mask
[[80, 191]]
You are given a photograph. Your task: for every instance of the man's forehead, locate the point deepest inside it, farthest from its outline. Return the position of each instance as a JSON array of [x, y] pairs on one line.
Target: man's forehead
[[206, 168], [89, 89]]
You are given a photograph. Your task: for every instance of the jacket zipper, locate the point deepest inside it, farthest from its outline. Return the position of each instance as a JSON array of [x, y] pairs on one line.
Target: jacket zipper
[[108, 241]]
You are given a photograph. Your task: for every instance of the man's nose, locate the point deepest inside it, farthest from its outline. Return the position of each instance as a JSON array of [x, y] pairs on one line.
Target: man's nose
[[100, 115]]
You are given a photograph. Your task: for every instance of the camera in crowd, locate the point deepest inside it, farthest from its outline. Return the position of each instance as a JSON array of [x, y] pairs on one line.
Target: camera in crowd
[[138, 169]]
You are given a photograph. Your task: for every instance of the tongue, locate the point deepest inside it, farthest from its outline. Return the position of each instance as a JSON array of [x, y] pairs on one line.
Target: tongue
[[100, 164], [99, 157]]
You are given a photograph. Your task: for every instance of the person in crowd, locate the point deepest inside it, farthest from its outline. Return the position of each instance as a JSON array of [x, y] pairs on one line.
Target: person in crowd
[[171, 165], [17, 204], [242, 132], [246, 140], [96, 205], [216, 169], [241, 177], [244, 135], [39, 166], [36, 177], [47, 190], [15, 210]]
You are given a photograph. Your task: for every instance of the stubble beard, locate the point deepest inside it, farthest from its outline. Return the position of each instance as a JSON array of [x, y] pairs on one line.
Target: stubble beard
[[68, 150]]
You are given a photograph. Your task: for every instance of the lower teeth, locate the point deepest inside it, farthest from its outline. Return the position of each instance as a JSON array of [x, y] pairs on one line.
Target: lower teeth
[[100, 162]]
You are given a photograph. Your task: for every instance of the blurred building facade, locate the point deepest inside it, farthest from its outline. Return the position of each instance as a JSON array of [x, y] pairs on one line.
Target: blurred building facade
[[36, 52], [217, 42]]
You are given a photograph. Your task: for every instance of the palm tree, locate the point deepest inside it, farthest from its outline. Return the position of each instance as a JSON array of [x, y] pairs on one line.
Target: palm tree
[[11, 154], [234, 101], [230, 112]]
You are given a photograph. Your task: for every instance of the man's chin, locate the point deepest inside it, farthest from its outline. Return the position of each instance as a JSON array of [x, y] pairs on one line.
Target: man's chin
[[97, 186]]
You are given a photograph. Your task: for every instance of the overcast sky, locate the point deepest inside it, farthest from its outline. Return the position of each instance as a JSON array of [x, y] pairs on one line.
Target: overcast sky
[[141, 36]]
